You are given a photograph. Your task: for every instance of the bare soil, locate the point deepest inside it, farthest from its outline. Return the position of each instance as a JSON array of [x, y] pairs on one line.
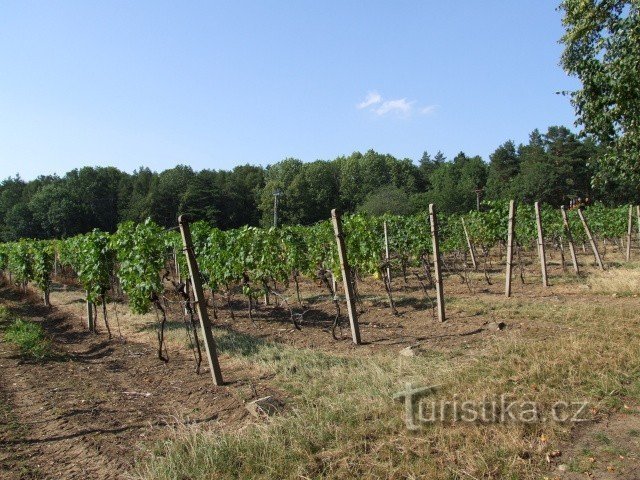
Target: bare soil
[[93, 409]]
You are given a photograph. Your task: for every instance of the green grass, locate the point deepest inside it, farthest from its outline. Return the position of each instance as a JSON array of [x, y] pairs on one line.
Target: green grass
[[5, 314], [340, 420], [602, 438], [30, 338]]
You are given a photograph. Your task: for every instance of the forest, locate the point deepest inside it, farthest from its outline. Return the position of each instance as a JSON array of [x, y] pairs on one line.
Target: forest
[[552, 168]]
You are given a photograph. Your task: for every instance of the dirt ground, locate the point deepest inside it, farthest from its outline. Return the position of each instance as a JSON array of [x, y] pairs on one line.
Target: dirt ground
[[92, 410]]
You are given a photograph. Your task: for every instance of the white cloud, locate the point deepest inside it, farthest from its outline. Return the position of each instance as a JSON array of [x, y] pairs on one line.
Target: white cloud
[[429, 109], [399, 106], [372, 98]]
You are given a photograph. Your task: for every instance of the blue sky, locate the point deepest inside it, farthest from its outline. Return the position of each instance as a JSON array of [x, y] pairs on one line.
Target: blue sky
[[218, 84]]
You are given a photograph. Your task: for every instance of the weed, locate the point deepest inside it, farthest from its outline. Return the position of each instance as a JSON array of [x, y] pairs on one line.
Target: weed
[[30, 337]]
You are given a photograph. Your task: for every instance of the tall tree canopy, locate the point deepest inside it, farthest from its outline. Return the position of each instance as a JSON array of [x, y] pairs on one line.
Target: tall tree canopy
[[602, 49], [552, 167]]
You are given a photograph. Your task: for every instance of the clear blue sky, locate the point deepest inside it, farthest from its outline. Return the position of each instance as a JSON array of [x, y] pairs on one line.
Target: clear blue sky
[[218, 84]]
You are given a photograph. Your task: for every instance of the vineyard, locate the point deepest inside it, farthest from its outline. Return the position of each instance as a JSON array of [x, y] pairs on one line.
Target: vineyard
[[146, 262], [291, 285]]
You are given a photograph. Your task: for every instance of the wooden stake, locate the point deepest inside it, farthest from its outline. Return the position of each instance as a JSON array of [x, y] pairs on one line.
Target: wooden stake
[[200, 301], [436, 261], [346, 276], [594, 247], [541, 254], [572, 248], [629, 227], [90, 324], [469, 244], [512, 221], [386, 251], [638, 219]]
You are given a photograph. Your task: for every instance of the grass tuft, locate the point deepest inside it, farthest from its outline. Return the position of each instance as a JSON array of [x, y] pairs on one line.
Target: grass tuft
[[30, 337], [621, 282]]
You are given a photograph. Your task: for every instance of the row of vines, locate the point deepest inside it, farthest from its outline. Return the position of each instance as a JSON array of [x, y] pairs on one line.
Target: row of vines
[[142, 260]]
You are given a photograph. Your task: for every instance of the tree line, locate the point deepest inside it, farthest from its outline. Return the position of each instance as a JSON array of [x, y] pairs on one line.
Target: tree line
[[552, 167]]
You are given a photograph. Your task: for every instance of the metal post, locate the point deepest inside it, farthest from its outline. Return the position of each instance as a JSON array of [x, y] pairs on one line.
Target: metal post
[[276, 194]]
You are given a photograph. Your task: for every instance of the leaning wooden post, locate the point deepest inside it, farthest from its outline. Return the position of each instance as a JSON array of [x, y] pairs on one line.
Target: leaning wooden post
[[572, 248], [436, 261], [200, 301], [346, 276], [511, 226], [629, 227], [594, 247], [541, 254], [386, 251], [472, 253]]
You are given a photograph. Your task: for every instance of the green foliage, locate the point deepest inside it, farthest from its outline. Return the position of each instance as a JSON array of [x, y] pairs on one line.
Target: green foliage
[[93, 260], [602, 49], [42, 257], [141, 251], [388, 199], [364, 242], [253, 258], [30, 337], [20, 261]]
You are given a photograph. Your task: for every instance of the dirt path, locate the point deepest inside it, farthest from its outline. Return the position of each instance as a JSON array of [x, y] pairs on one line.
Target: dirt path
[[89, 413]]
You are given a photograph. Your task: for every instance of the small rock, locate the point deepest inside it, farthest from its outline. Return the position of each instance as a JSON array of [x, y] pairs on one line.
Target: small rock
[[264, 407], [563, 467], [410, 351], [496, 326], [407, 352]]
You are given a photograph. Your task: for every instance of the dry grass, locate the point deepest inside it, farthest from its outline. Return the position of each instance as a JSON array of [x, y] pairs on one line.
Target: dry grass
[[343, 423], [619, 282]]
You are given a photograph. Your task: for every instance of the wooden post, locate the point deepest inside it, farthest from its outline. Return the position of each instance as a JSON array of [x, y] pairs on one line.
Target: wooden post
[[436, 261], [638, 218], [572, 248], [386, 251], [334, 283], [629, 227], [469, 244], [594, 247], [200, 301], [346, 276], [541, 254], [511, 226], [90, 324]]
